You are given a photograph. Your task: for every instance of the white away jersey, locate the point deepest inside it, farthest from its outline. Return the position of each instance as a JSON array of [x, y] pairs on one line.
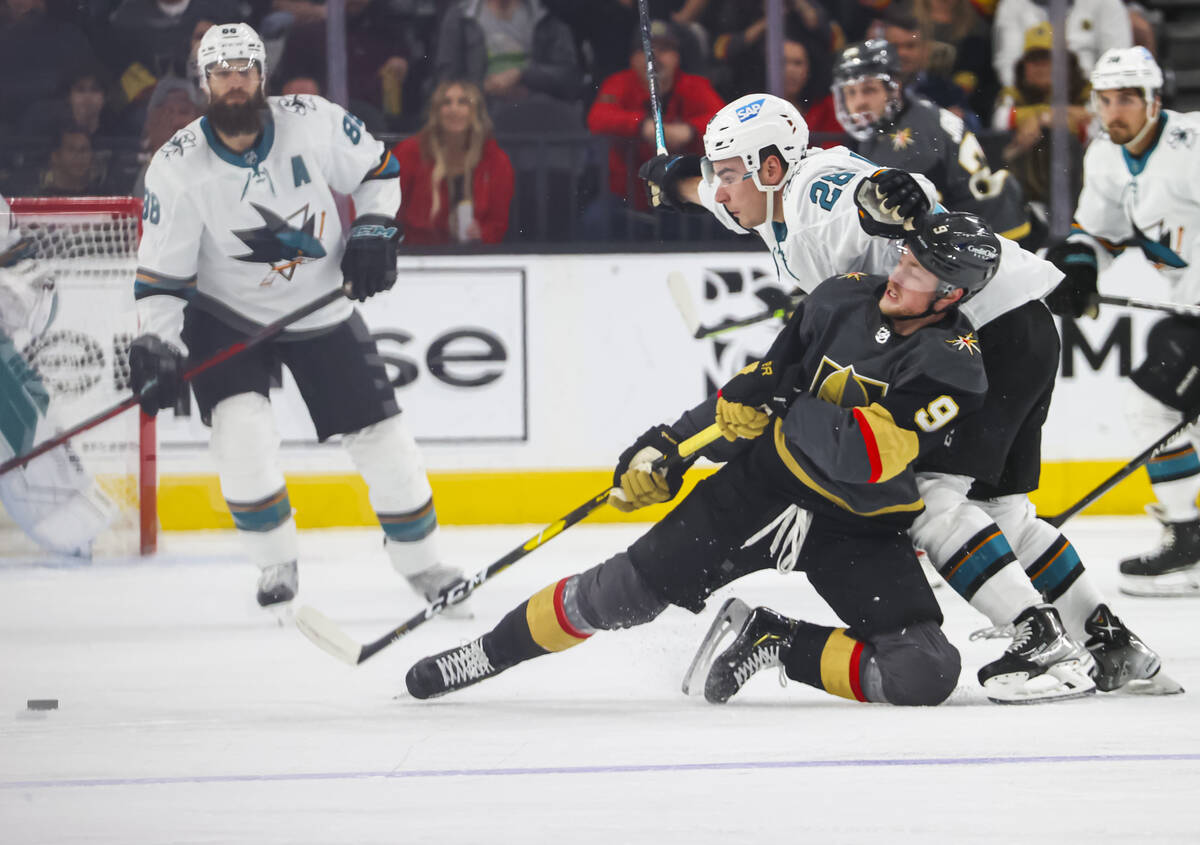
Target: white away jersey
[[1151, 202], [821, 236], [257, 234]]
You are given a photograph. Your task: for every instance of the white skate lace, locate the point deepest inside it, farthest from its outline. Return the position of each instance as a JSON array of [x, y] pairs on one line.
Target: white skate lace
[[1022, 634], [790, 528], [464, 664], [760, 658]]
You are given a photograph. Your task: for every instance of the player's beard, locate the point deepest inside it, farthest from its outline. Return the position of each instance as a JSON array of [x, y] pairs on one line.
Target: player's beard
[[237, 118], [1120, 134]]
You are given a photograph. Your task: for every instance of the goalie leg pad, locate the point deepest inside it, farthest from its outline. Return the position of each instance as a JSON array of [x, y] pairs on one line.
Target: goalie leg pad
[[388, 459], [245, 448], [969, 550]]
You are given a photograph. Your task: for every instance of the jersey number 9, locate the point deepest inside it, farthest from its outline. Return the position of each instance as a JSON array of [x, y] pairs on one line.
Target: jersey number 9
[[936, 414]]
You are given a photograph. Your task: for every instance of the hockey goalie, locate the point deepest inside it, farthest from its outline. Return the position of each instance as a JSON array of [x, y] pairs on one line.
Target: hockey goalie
[[52, 498]]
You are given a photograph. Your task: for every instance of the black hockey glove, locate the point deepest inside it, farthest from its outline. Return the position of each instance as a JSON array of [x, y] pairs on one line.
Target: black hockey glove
[[641, 487], [889, 203], [745, 402], [155, 372], [662, 174], [1077, 294], [369, 264]]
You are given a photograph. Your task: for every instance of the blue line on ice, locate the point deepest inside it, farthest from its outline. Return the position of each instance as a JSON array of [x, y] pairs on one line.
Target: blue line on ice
[[598, 770]]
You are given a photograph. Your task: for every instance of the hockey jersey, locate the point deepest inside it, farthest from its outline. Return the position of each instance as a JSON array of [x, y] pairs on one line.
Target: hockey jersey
[[821, 236], [933, 141], [1149, 202], [251, 236]]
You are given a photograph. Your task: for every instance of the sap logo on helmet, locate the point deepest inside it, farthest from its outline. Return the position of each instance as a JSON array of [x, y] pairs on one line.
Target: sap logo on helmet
[[982, 251], [749, 110]]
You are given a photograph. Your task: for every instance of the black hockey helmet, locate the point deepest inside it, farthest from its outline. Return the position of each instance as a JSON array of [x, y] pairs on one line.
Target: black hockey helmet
[[874, 59], [958, 248]]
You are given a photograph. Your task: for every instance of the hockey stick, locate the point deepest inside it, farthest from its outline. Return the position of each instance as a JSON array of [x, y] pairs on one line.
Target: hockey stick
[[1151, 305], [1120, 475], [325, 634], [682, 297], [265, 333], [660, 140]]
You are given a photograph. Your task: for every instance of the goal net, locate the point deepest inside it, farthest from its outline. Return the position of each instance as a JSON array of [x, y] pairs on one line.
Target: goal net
[[88, 246]]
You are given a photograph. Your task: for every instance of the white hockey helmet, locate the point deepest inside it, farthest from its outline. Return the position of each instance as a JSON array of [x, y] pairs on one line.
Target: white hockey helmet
[[226, 42], [748, 125], [1131, 67]]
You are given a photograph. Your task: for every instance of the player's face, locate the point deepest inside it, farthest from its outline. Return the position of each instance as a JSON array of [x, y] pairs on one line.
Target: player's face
[[866, 97], [1122, 112], [235, 81], [455, 110], [910, 289], [738, 193]]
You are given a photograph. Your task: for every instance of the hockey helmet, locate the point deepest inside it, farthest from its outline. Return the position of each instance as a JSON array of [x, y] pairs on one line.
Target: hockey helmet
[[874, 59], [745, 127], [958, 248], [1131, 67], [228, 42]]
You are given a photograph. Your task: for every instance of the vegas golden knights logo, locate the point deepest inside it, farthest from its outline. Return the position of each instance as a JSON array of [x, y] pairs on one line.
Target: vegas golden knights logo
[[844, 387]]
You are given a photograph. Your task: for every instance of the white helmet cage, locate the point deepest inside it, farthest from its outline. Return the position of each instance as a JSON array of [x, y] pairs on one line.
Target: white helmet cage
[[1129, 67], [751, 123], [227, 41]]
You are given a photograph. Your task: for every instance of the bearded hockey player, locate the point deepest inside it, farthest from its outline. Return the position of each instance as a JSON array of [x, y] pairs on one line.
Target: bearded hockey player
[[240, 227], [1141, 190], [53, 499], [820, 209], [893, 130]]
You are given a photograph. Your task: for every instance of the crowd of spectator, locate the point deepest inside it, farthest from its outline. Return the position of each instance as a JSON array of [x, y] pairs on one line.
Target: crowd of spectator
[[484, 96]]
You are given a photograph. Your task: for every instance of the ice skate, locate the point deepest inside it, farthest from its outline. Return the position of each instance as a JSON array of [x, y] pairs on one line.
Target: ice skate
[[432, 582], [1123, 661], [761, 643], [278, 584], [1042, 664], [729, 620], [450, 670], [1173, 569]]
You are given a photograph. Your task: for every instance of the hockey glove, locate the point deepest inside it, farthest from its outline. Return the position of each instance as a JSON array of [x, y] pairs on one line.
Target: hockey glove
[[745, 403], [889, 203], [662, 174], [155, 372], [369, 264], [640, 486], [1077, 294]]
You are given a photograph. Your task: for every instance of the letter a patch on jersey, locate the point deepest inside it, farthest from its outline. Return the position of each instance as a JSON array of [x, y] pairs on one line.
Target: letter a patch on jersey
[[299, 172]]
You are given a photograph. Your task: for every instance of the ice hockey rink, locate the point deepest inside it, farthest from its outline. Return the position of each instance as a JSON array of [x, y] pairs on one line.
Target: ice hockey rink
[[186, 716]]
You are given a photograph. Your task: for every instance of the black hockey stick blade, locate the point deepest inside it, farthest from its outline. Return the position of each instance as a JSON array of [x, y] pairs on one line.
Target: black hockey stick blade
[[1120, 475], [266, 332], [326, 635]]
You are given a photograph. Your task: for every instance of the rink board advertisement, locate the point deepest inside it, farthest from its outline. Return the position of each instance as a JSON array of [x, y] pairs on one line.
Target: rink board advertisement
[[524, 377]]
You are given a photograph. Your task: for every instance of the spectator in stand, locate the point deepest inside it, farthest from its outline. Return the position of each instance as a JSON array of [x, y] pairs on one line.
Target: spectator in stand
[[73, 169], [622, 110], [85, 106], [815, 104], [36, 57], [514, 50], [456, 182], [739, 43], [961, 45], [377, 58], [1024, 109], [1093, 26], [921, 81]]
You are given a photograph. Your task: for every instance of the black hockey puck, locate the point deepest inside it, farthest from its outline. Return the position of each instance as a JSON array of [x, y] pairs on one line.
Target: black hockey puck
[[41, 704]]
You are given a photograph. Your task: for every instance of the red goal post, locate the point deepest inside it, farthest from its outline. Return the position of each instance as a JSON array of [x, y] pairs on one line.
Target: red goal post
[[89, 247]]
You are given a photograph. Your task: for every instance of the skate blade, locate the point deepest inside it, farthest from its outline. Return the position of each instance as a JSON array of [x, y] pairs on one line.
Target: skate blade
[[283, 614], [1059, 683], [1169, 586], [729, 620], [1160, 684]]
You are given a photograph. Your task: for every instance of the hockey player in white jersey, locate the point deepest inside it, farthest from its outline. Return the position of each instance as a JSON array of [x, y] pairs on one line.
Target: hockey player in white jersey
[[1141, 190], [823, 209], [240, 227], [53, 499]]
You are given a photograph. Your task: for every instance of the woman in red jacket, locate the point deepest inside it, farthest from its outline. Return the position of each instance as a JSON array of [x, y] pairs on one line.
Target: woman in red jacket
[[456, 183]]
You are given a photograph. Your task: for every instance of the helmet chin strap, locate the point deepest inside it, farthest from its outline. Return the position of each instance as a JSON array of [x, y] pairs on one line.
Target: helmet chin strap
[[1153, 110]]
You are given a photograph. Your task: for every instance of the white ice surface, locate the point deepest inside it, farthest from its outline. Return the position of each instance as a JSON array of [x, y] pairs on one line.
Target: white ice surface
[[186, 715]]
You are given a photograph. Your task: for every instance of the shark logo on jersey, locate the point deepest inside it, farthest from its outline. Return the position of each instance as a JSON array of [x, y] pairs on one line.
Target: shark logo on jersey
[[1181, 136], [1156, 244], [297, 103], [180, 142], [844, 387], [280, 244]]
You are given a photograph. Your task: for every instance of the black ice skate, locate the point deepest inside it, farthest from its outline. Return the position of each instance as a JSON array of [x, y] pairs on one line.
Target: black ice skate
[[1173, 569], [1042, 664], [761, 643], [278, 584], [1123, 660], [450, 670]]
